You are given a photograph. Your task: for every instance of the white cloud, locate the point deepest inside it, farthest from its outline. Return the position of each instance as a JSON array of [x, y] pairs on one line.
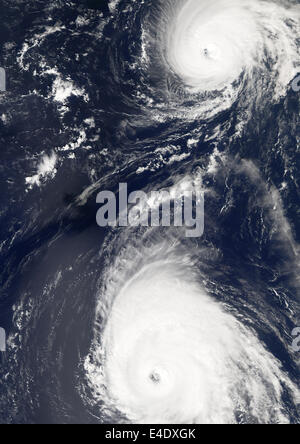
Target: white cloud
[[46, 169]]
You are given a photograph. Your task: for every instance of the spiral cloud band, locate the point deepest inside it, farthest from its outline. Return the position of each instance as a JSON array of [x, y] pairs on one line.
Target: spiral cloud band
[[171, 354]]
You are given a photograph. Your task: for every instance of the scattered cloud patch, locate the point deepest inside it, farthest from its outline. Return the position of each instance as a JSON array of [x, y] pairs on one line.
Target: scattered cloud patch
[[46, 170]]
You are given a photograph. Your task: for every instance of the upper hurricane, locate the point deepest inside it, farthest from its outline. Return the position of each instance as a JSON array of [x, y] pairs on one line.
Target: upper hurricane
[[204, 55]]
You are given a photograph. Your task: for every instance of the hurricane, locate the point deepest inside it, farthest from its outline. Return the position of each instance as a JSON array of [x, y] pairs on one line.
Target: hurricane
[[183, 360], [211, 45], [144, 324], [215, 53]]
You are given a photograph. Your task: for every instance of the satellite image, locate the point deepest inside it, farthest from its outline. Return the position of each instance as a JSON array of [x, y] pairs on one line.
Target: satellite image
[[149, 212]]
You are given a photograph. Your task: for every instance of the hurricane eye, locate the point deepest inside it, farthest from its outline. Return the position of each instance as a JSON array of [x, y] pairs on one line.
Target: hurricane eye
[[155, 377]]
